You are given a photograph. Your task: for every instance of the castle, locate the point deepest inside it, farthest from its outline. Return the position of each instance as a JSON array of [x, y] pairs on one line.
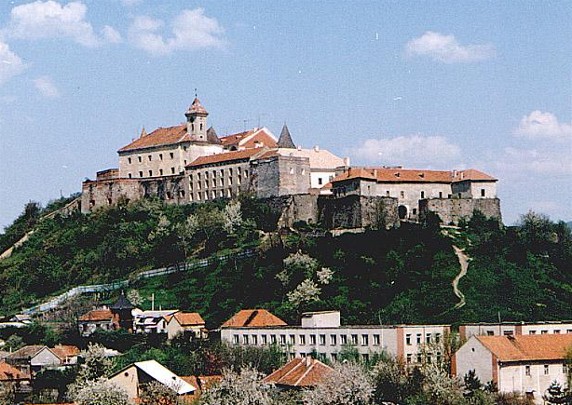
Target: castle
[[189, 163]]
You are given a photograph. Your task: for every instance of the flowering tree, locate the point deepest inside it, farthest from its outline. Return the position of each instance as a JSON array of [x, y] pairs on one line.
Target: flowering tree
[[349, 384], [232, 217], [98, 392], [243, 388]]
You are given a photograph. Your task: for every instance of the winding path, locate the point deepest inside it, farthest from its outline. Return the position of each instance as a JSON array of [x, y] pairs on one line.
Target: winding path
[[464, 262]]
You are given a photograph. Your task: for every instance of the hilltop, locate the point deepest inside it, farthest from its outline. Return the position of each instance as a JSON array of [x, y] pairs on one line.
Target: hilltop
[[401, 275]]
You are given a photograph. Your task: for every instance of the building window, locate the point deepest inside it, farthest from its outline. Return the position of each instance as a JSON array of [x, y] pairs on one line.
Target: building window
[[171, 155], [139, 159], [129, 160], [313, 340], [408, 339], [320, 181], [292, 339], [334, 356], [254, 340], [273, 339], [527, 370], [344, 339], [423, 194], [419, 338], [532, 332], [543, 332], [302, 339], [364, 340], [264, 339], [437, 337], [409, 358], [482, 192], [245, 339], [322, 340], [354, 340], [546, 369], [140, 174], [402, 194], [428, 338], [150, 158], [365, 357], [418, 357], [333, 340], [291, 170], [556, 331], [376, 340], [160, 156]]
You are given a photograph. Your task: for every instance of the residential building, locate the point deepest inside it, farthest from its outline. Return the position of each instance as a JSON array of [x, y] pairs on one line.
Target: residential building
[[134, 377], [13, 379], [522, 363], [186, 323], [299, 373], [514, 328], [67, 354], [33, 358], [322, 334], [97, 319], [152, 321]]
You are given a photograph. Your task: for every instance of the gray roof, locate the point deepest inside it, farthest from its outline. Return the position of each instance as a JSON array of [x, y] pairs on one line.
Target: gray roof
[[285, 140]]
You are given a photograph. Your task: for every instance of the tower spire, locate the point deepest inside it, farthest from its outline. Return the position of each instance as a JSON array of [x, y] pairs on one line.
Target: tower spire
[[285, 140], [197, 121]]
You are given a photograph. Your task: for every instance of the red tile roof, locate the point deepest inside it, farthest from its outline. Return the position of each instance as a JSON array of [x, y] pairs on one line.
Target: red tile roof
[[253, 318], [9, 373], [160, 136], [250, 139], [300, 372], [225, 157], [97, 315], [189, 318], [65, 351], [399, 175], [528, 347], [197, 108]]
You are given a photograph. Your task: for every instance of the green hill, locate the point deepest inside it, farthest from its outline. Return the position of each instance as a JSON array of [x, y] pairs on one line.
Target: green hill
[[387, 276]]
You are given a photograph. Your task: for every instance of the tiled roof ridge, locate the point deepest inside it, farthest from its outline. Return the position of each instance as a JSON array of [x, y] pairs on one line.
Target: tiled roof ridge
[[308, 369]]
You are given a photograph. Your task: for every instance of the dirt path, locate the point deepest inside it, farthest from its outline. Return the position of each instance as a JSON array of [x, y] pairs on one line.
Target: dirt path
[[464, 262]]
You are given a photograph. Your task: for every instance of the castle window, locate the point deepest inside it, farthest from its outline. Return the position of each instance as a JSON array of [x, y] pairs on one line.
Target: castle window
[[201, 126], [482, 192], [246, 173], [171, 155], [192, 127], [172, 170], [440, 194], [150, 173], [160, 156], [139, 159], [423, 194], [150, 157], [402, 194], [109, 201], [320, 181], [129, 175], [129, 160], [161, 172], [387, 193], [214, 182], [140, 174], [221, 182]]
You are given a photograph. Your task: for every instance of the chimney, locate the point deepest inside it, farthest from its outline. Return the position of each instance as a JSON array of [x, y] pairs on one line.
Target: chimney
[[316, 148], [346, 161]]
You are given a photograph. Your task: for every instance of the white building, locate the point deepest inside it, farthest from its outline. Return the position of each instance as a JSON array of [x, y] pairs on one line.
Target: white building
[[321, 333], [522, 363], [514, 328]]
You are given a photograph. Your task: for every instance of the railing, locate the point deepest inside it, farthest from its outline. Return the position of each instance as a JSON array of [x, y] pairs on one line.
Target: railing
[[175, 268]]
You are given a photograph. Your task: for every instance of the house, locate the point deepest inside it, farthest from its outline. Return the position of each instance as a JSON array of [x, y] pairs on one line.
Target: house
[[190, 323], [152, 321], [523, 363], [97, 319], [33, 358], [514, 328], [134, 377], [11, 377], [67, 354], [299, 373], [321, 333]]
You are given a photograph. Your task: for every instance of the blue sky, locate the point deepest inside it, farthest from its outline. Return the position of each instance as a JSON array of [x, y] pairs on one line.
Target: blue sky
[[433, 84]]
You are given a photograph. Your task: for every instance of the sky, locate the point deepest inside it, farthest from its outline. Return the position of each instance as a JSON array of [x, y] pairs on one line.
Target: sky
[[422, 84]]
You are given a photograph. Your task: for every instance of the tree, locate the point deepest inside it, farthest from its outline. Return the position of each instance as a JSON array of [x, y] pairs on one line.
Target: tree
[[232, 217], [98, 392], [555, 394], [349, 384], [134, 297], [95, 365], [6, 394], [156, 393], [239, 388]]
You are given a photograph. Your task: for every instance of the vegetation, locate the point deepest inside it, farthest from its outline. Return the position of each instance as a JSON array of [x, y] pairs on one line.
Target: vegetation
[[381, 276]]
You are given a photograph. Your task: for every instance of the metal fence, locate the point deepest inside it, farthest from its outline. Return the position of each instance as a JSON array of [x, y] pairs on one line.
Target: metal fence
[[175, 268]]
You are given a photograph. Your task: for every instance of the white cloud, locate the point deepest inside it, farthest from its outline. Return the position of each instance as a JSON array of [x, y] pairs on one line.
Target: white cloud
[[446, 48], [543, 125], [190, 30], [111, 35], [524, 162], [46, 87], [412, 151], [10, 63], [50, 19]]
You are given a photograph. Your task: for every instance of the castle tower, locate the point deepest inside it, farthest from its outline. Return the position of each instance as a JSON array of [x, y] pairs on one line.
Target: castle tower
[[285, 140], [197, 121]]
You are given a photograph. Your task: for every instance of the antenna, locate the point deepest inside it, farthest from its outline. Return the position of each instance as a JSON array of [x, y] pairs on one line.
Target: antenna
[[196, 94]]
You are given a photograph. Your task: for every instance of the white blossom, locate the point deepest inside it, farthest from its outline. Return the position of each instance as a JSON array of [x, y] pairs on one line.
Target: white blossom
[[306, 291], [243, 388], [325, 275]]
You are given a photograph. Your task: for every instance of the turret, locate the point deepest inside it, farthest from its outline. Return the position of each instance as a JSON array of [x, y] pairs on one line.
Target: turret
[[197, 121], [285, 140]]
